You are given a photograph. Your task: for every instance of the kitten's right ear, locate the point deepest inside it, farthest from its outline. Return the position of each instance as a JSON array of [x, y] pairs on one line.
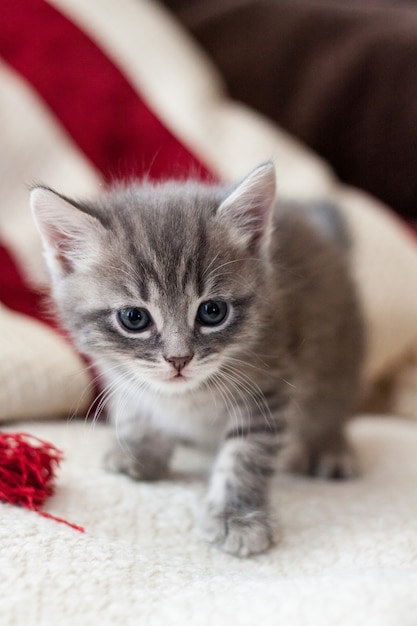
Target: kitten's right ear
[[69, 235], [247, 211]]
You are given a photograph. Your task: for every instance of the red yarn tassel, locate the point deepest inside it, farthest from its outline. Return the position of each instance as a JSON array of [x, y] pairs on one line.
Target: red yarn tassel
[[27, 472]]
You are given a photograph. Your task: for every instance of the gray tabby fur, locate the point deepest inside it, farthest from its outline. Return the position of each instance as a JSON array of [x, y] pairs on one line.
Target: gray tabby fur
[[281, 373]]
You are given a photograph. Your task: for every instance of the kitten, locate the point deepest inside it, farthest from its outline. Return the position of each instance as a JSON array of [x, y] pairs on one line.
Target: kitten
[[216, 315]]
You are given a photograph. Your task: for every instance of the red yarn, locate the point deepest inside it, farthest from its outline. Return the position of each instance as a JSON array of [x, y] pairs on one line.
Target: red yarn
[[27, 472]]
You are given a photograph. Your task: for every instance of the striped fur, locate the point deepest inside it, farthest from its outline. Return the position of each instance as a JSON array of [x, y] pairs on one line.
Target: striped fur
[[283, 365]]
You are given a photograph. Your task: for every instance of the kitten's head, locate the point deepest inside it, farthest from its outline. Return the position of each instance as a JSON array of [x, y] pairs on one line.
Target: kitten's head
[[162, 281]]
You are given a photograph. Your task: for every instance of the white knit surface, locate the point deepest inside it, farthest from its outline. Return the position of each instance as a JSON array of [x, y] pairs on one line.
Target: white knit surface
[[347, 553]]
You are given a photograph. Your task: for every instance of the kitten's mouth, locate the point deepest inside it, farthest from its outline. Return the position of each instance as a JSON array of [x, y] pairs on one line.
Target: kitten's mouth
[[179, 382], [179, 378]]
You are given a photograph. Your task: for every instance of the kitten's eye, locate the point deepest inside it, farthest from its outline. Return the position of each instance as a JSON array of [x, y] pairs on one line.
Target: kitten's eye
[[134, 319], [212, 312]]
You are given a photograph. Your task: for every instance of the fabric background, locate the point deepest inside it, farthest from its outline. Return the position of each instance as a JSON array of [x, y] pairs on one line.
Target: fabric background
[[346, 554], [113, 103], [340, 75]]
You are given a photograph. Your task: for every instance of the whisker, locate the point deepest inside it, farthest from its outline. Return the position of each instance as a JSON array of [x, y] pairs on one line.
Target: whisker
[[254, 367], [219, 267], [227, 399], [120, 410], [242, 396], [253, 390], [210, 379], [272, 374], [88, 388], [210, 264]]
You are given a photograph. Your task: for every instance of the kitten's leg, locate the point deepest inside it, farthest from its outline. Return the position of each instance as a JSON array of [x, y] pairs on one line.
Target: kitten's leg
[[325, 455], [140, 451], [236, 516], [322, 448]]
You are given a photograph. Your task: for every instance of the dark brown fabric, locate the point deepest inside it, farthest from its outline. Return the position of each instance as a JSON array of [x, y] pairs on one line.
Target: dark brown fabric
[[340, 75]]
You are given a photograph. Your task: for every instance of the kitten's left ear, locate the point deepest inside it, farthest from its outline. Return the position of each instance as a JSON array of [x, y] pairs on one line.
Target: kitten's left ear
[[248, 209]]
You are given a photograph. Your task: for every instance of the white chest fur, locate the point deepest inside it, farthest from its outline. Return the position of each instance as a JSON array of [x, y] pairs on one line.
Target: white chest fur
[[198, 416]]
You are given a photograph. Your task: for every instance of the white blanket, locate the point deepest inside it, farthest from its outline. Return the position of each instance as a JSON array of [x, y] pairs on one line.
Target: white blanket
[[347, 553]]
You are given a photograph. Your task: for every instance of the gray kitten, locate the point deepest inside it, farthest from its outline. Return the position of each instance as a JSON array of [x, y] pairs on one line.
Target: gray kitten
[[215, 315]]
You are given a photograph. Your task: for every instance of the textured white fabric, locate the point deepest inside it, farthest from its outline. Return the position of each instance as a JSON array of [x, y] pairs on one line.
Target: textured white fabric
[[41, 374], [347, 553], [34, 148], [187, 93]]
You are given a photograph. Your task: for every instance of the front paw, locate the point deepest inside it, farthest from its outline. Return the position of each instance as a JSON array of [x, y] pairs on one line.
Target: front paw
[[240, 534], [147, 467]]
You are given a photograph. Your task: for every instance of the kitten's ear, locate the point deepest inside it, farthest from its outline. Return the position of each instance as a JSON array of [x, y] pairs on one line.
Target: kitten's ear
[[69, 234], [248, 209]]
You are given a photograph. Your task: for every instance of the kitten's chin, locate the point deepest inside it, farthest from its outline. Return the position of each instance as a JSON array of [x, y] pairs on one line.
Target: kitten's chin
[[176, 385]]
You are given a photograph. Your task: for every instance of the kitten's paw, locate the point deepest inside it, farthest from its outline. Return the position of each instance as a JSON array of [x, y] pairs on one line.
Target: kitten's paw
[[333, 464], [336, 465], [146, 468], [238, 534]]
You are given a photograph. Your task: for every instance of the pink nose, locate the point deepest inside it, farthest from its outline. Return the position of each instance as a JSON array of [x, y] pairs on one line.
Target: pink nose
[[179, 362]]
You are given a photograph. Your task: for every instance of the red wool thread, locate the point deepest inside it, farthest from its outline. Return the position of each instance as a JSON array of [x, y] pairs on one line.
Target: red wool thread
[[27, 472]]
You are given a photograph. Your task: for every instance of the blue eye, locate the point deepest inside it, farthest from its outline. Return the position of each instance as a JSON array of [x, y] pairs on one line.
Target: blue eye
[[212, 312], [134, 319]]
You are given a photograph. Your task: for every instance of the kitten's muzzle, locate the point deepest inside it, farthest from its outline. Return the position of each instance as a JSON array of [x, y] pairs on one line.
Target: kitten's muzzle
[[179, 362]]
